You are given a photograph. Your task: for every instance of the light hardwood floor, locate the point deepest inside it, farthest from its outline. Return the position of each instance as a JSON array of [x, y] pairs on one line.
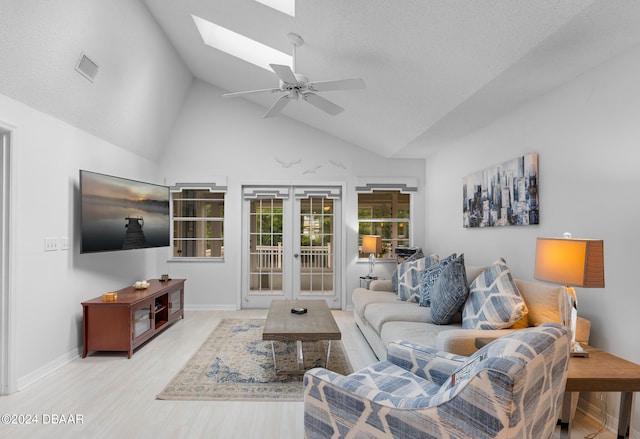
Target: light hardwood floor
[[115, 396]]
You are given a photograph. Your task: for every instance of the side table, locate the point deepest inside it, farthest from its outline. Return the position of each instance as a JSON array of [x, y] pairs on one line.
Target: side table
[[602, 372], [365, 281], [599, 372]]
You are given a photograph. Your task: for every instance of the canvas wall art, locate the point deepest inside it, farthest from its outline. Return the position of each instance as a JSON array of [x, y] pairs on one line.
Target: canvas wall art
[[502, 195]]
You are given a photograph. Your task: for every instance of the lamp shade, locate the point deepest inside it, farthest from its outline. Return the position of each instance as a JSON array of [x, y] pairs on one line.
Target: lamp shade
[[371, 244], [569, 261]]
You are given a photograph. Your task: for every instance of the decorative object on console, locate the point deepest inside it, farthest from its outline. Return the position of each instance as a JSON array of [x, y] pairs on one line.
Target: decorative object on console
[[571, 262], [109, 297], [141, 285], [372, 244], [502, 195]]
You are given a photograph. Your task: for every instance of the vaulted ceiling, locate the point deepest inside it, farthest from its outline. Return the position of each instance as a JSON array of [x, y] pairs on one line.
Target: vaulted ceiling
[[434, 69]]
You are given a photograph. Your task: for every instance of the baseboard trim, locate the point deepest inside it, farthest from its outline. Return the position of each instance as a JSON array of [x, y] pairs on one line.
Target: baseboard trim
[[595, 413], [47, 369], [210, 308]]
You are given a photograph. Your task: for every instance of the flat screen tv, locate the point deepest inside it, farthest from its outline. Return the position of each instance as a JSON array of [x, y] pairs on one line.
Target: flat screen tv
[[122, 214]]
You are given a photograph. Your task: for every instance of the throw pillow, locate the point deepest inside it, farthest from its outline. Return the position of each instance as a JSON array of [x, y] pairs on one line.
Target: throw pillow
[[494, 300], [429, 277], [449, 292], [394, 276], [408, 279]]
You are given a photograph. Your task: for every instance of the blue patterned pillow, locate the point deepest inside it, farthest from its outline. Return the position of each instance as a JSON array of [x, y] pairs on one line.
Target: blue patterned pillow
[[494, 300], [414, 257], [428, 278], [409, 277], [449, 292]]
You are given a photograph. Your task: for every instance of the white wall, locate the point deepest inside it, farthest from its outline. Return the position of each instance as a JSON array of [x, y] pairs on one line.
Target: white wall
[[48, 287], [587, 136], [64, 123], [216, 137], [141, 81]]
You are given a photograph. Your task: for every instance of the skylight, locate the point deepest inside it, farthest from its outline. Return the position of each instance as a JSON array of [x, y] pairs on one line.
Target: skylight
[[285, 6], [240, 46]]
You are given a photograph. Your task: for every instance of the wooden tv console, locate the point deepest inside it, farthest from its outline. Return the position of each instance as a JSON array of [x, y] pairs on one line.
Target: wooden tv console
[[134, 318]]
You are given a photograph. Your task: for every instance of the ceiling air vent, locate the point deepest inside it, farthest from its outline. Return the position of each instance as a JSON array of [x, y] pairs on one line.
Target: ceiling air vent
[[86, 67]]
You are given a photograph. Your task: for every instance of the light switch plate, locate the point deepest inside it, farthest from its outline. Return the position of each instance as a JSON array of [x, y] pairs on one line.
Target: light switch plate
[[50, 244]]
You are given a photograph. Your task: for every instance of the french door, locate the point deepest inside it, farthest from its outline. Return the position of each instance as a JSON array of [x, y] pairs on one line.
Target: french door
[[291, 242]]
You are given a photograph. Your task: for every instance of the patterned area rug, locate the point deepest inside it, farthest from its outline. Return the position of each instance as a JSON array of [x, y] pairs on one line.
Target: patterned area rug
[[234, 363]]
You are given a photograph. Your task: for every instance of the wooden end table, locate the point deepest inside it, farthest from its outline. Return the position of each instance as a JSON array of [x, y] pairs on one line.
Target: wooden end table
[[601, 372], [317, 324]]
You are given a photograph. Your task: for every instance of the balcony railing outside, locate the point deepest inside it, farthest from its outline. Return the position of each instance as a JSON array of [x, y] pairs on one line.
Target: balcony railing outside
[[269, 257]]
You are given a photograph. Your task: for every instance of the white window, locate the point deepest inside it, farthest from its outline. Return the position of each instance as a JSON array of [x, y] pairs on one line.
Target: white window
[[386, 214], [384, 209], [198, 222]]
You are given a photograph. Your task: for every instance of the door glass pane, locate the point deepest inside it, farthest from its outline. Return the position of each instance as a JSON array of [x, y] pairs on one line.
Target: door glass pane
[[265, 246], [316, 246]]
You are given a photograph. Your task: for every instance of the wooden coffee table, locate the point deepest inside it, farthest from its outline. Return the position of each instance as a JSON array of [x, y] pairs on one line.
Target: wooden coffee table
[[317, 324], [601, 372]]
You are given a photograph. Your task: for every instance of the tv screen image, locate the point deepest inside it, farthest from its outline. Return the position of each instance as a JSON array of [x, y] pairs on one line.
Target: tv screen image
[[122, 214]]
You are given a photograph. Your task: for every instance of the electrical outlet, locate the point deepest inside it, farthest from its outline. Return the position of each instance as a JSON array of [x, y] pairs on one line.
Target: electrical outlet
[[64, 243], [50, 244]]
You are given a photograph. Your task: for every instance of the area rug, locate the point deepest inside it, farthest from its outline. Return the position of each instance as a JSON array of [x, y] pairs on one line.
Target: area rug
[[234, 363]]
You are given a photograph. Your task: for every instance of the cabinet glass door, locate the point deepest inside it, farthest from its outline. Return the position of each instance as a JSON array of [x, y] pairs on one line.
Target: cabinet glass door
[[175, 304], [142, 320]]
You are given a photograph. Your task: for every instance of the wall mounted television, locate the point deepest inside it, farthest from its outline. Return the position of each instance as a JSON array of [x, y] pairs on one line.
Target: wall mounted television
[[122, 214]]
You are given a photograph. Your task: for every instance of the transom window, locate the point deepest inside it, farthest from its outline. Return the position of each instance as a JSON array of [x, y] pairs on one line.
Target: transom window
[[198, 223], [385, 213]]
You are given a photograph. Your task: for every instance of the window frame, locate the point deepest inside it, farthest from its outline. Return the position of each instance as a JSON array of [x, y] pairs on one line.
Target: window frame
[[211, 188], [402, 185]]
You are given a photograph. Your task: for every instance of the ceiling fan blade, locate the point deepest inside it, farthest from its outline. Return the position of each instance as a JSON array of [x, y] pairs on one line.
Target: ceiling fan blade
[[339, 84], [322, 103], [277, 106], [250, 92], [284, 73]]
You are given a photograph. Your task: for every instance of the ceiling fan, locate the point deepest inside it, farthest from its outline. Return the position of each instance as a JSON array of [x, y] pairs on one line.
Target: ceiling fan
[[295, 86]]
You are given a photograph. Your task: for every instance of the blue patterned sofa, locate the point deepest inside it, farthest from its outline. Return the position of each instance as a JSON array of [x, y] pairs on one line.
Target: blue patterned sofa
[[511, 388], [488, 303]]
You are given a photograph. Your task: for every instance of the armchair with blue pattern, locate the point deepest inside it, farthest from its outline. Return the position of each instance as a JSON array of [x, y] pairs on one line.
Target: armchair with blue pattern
[[511, 388]]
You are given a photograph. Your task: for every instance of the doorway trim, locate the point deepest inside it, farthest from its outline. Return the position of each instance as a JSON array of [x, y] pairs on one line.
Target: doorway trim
[[340, 234], [8, 382]]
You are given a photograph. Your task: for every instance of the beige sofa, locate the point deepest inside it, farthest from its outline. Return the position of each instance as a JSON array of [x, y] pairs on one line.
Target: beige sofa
[[383, 318]]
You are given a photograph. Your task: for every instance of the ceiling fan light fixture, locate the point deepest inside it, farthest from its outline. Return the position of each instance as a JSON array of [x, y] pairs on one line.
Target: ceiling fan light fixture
[[296, 85]]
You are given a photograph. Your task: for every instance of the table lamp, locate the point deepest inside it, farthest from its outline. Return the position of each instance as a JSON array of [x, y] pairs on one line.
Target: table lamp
[[371, 244], [571, 262]]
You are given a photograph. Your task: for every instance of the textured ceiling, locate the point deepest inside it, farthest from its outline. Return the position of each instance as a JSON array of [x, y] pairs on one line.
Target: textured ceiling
[[434, 69]]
